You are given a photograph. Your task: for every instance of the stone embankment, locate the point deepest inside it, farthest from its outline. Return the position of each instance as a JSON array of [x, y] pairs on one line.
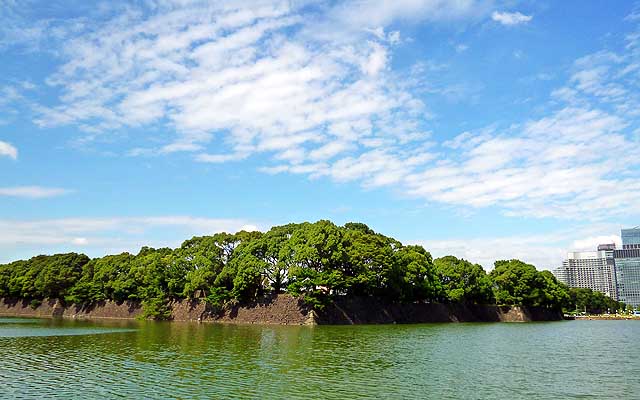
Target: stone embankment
[[371, 311], [288, 310], [281, 310]]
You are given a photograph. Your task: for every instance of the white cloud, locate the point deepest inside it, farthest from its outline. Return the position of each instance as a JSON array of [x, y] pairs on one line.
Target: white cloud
[[99, 236], [510, 18], [32, 192], [591, 243], [8, 150], [381, 13], [394, 37], [239, 79], [329, 150], [177, 146], [635, 14], [376, 61], [249, 76], [461, 48], [537, 250], [545, 251], [552, 166], [219, 158], [545, 168], [80, 241]]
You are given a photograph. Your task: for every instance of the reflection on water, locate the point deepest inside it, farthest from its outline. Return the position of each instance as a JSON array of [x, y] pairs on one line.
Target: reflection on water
[[9, 320], [596, 359], [25, 327]]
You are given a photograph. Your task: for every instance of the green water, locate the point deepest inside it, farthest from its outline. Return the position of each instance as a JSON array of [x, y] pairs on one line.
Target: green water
[[84, 360]]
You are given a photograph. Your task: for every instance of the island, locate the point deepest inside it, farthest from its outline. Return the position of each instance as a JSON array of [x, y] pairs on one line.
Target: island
[[299, 273]]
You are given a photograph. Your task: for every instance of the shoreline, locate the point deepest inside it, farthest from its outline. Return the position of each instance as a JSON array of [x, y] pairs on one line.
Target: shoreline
[[607, 318], [285, 309]]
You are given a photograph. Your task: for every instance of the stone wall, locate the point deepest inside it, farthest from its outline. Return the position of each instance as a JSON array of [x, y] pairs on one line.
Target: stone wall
[[288, 310], [54, 308], [372, 311], [281, 310]]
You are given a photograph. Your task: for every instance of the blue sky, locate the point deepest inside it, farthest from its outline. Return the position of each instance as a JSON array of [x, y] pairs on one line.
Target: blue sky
[[483, 129]]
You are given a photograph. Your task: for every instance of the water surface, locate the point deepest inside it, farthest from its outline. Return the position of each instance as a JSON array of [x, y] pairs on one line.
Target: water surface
[[132, 359]]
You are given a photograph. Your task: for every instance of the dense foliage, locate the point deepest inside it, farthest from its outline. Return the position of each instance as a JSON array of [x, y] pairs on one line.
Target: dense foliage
[[515, 282], [592, 302], [463, 281], [317, 261]]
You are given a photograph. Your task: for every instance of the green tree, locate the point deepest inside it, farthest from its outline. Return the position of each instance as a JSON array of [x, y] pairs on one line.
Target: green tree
[[516, 283], [318, 259], [206, 262], [554, 293], [276, 255], [464, 282], [369, 263], [416, 276], [53, 276]]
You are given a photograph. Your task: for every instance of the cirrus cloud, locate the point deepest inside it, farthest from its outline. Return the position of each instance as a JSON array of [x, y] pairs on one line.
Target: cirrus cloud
[[234, 80]]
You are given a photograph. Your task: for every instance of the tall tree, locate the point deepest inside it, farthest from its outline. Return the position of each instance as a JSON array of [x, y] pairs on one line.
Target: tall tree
[[516, 283], [415, 275], [463, 281]]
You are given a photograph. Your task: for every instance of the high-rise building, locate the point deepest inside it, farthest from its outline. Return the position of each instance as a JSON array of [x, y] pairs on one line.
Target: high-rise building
[[590, 269], [631, 238], [616, 273], [627, 267]]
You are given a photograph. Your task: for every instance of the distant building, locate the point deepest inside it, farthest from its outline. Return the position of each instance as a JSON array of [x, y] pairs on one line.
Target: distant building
[[616, 273], [607, 247], [631, 238], [627, 267], [590, 269]]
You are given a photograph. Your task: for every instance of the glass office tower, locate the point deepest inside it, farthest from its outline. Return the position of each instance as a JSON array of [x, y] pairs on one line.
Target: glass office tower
[[631, 238], [628, 275]]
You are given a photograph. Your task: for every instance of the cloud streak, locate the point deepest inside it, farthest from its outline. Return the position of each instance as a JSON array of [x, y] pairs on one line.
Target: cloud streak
[[510, 18], [65, 230], [32, 192], [8, 150], [100, 236]]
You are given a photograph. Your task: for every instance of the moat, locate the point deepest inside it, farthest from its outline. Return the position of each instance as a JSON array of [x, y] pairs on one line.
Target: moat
[[50, 358]]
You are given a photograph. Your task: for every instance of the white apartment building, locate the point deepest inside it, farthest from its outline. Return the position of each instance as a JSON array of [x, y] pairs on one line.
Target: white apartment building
[[616, 273], [590, 269]]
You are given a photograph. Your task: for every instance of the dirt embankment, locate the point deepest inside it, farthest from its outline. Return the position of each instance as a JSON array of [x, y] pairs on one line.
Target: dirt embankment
[[288, 310]]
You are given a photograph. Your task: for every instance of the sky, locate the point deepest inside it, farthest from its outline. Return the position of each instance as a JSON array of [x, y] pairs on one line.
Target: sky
[[486, 129]]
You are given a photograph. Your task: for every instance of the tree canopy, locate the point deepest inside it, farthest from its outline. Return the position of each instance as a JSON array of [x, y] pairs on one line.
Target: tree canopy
[[317, 261], [463, 281]]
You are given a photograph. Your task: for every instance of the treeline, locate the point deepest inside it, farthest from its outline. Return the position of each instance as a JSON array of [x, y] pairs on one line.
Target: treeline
[[592, 302], [317, 261]]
